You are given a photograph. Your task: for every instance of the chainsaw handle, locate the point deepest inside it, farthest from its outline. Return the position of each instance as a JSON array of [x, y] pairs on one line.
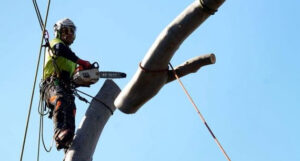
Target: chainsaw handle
[[95, 65]]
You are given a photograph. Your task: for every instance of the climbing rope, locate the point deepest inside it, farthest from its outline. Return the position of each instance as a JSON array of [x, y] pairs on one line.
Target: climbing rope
[[42, 133], [94, 98], [42, 25], [201, 116], [43, 112], [37, 11]]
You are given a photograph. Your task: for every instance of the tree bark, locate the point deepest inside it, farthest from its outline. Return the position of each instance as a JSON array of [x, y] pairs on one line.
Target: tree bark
[[92, 124], [153, 73], [191, 66]]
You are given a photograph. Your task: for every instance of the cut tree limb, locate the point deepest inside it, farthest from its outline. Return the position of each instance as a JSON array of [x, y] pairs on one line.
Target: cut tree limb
[[145, 85], [191, 66]]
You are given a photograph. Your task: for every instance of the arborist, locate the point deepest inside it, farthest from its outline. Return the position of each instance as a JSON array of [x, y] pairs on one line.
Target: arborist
[[57, 86]]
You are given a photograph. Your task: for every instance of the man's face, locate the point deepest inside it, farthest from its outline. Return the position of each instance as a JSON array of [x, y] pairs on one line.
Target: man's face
[[68, 35]]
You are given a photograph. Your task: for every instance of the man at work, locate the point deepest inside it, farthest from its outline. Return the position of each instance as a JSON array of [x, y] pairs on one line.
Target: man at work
[[57, 88]]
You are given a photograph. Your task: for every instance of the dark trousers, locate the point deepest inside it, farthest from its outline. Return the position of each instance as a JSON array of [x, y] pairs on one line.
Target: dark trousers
[[60, 99]]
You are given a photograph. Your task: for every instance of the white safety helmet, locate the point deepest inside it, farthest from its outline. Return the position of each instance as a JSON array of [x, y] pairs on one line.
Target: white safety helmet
[[63, 23]]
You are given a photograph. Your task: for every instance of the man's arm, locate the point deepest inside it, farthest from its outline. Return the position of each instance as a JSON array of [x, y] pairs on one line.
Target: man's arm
[[64, 51]]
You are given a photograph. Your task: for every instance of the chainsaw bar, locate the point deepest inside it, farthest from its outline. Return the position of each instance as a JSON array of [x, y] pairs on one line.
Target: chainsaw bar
[[113, 75]]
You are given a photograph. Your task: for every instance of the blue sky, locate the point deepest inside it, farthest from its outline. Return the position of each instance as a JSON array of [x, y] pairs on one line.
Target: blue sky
[[250, 97]]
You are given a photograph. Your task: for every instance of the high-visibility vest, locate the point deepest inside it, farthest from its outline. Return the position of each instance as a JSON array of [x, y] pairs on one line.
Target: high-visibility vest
[[60, 62]]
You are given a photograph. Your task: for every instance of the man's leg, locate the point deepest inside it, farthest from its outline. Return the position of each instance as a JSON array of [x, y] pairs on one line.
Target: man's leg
[[63, 116]]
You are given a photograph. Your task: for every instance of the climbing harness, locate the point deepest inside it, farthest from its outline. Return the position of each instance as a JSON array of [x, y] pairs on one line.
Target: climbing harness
[[199, 113]]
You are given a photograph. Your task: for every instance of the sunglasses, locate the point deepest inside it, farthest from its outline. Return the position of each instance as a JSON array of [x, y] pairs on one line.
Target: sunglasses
[[68, 30]]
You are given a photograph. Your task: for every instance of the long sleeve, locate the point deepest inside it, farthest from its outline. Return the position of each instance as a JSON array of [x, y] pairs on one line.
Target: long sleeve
[[64, 51]]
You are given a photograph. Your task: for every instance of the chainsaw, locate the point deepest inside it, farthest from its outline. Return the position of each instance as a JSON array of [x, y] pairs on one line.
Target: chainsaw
[[86, 77]]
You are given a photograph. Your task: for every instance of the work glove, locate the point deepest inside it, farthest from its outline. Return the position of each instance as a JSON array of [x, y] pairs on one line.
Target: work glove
[[84, 63]]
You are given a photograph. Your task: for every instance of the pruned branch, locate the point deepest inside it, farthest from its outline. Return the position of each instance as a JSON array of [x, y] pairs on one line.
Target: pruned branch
[[191, 66]]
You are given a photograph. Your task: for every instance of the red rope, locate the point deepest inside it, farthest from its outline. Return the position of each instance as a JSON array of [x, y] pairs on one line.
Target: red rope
[[152, 71], [199, 113]]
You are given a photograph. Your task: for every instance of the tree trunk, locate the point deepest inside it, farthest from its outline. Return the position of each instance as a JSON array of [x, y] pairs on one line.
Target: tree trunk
[[92, 124]]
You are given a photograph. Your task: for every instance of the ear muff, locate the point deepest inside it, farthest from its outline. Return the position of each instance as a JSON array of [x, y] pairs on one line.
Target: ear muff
[[57, 34]]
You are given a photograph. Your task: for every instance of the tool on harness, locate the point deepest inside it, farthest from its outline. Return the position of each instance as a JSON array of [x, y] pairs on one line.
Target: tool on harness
[[86, 77]]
